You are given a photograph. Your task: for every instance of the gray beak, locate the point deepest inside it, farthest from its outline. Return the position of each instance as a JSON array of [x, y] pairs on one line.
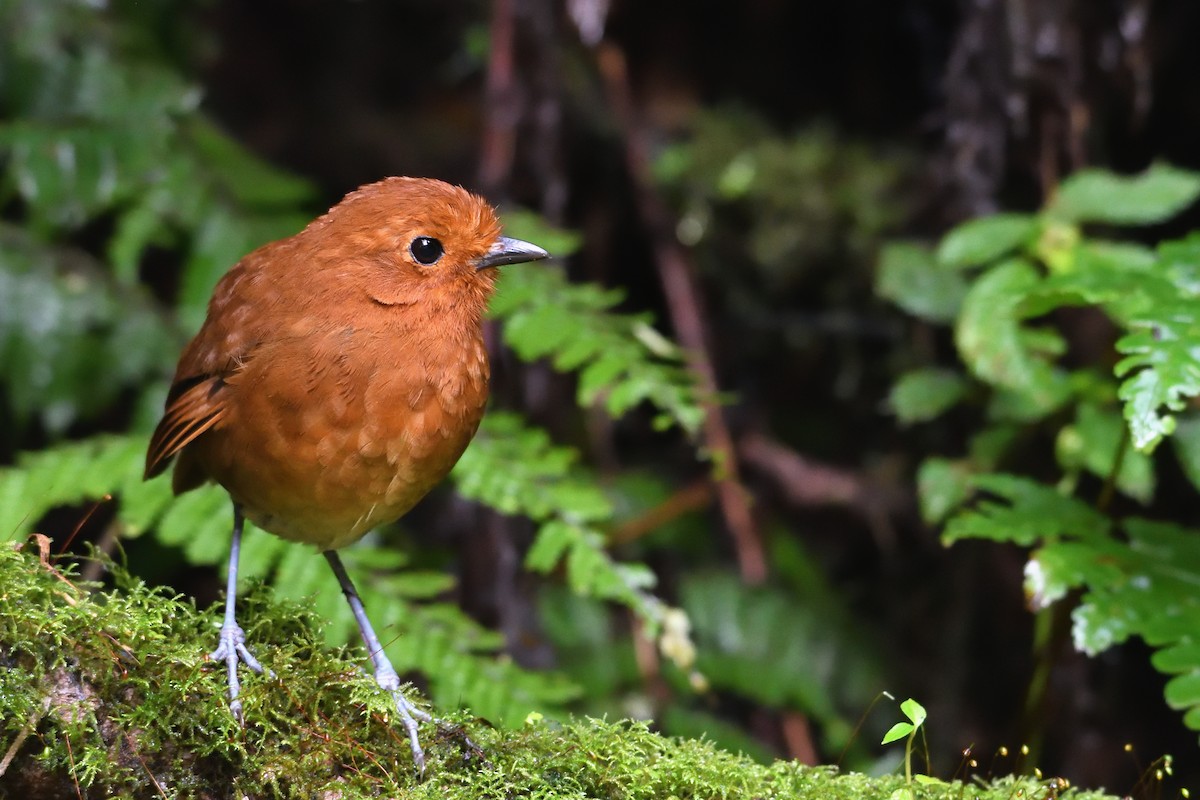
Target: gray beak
[[511, 251]]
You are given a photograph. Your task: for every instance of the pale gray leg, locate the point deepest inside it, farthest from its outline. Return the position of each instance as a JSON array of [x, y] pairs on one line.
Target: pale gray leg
[[232, 647], [385, 673]]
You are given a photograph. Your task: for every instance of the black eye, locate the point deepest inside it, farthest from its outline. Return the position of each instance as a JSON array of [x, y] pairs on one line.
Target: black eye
[[426, 250]]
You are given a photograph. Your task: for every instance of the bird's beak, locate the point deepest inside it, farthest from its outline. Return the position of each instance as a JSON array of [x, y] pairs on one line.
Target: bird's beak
[[511, 251]]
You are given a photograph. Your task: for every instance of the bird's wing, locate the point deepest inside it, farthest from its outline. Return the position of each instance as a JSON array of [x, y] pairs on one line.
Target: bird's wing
[[201, 394], [194, 405]]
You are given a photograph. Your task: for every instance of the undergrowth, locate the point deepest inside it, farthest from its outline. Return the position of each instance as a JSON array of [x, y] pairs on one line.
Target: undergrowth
[[1062, 458]]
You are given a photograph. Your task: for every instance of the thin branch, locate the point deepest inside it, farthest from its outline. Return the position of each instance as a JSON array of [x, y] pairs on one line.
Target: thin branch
[[798, 736], [685, 306], [690, 498], [804, 481]]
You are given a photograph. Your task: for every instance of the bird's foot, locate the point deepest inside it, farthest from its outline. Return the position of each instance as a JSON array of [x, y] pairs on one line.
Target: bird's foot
[[410, 713], [231, 650], [389, 681]]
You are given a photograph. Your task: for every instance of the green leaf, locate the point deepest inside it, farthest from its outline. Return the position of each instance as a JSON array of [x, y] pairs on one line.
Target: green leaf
[[622, 362], [1184, 691], [71, 474], [757, 642], [985, 239], [1062, 565], [996, 348], [1145, 584], [988, 447], [910, 278], [1178, 261], [1093, 443], [1181, 657], [71, 340], [1187, 446], [250, 180], [1028, 512], [515, 469], [136, 228], [942, 486], [925, 394], [1156, 195], [521, 223], [555, 539], [1120, 278], [199, 522], [1160, 370], [914, 711], [898, 731], [417, 584]]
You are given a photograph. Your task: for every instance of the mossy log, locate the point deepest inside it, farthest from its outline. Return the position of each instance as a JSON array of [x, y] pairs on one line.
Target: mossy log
[[108, 694]]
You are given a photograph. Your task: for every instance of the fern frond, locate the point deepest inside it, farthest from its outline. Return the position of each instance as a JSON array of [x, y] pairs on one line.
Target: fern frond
[[96, 133], [782, 650], [79, 472], [1026, 512], [515, 469], [621, 359], [1160, 369], [1141, 585]]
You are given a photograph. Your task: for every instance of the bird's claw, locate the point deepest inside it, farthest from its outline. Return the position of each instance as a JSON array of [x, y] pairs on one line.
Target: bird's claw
[[389, 681], [232, 649]]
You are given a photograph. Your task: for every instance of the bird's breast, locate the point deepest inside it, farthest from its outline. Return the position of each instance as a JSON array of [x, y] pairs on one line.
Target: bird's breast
[[332, 436]]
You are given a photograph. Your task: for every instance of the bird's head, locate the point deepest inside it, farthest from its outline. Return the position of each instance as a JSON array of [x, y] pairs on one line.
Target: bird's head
[[419, 240]]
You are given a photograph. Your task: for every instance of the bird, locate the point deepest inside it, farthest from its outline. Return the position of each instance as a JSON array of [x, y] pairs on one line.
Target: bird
[[338, 376]]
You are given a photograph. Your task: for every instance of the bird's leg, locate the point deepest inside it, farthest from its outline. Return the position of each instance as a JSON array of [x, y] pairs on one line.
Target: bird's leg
[[385, 673], [232, 647]]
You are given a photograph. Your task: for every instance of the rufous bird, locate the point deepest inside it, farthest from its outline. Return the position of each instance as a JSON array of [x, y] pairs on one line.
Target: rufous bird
[[339, 375]]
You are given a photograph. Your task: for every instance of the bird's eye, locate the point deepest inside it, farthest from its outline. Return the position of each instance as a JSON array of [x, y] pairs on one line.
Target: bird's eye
[[426, 250]]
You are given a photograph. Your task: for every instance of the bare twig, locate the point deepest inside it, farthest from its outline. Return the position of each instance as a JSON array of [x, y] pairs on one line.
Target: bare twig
[[29, 728], [797, 734], [686, 309], [804, 481], [807, 482], [689, 498]]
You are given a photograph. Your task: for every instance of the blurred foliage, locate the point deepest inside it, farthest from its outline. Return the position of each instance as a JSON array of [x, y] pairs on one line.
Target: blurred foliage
[[768, 212], [71, 341], [1101, 408], [790, 647], [101, 141]]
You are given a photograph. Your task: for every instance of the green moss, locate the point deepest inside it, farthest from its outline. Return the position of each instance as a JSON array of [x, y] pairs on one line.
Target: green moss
[[108, 694]]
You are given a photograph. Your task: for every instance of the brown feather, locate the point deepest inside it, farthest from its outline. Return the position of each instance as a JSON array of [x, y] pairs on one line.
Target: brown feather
[[189, 413]]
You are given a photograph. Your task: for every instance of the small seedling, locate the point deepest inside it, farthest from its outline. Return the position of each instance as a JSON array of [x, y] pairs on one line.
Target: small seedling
[[916, 716]]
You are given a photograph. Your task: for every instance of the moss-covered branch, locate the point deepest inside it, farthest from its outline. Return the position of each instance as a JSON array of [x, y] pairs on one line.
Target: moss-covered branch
[[107, 694]]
